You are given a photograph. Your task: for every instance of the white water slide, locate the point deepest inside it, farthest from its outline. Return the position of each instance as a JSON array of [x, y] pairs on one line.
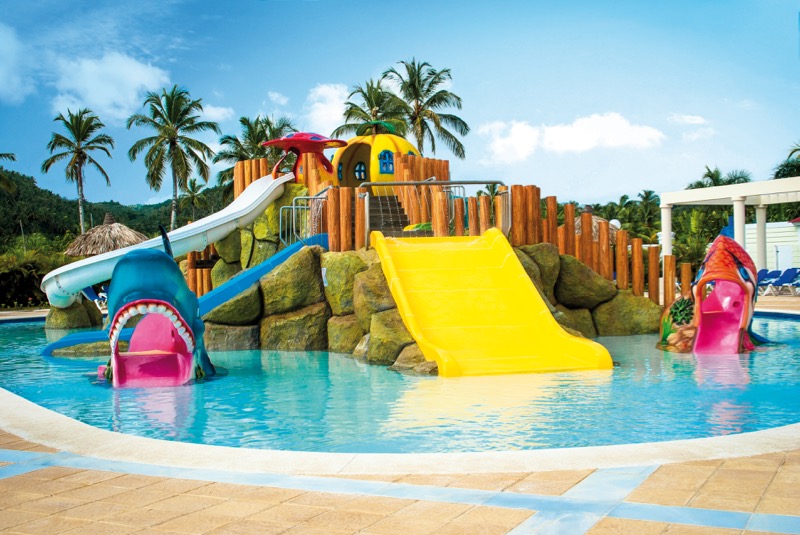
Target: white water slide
[[63, 285]]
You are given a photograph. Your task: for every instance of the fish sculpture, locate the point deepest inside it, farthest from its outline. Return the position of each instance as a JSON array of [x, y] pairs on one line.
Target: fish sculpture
[[716, 317], [166, 347]]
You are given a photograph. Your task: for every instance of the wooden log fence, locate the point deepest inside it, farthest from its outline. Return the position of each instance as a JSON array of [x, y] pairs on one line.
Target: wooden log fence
[[532, 218]]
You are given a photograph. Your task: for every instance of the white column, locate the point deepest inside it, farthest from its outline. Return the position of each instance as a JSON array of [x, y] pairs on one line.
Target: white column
[[666, 229], [761, 236], [738, 220]]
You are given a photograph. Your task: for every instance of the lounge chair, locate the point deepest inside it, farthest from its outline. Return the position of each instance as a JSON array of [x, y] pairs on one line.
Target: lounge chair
[[767, 279], [784, 281]]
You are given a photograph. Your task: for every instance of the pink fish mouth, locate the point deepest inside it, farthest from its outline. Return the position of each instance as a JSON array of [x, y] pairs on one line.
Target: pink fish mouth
[[153, 307]]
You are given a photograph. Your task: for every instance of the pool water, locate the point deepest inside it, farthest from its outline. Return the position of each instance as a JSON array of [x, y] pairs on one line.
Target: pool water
[[316, 401]]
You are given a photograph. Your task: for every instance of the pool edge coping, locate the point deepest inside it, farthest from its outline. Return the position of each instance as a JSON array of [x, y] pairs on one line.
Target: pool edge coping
[[38, 424]]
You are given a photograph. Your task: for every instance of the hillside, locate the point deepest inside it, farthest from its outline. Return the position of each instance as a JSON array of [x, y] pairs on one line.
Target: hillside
[[35, 210]]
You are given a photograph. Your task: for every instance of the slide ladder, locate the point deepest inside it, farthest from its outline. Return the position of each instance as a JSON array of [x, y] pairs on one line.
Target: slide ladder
[[471, 307]]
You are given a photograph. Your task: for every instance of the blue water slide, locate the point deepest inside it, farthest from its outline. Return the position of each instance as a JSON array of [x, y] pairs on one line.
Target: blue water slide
[[209, 301]]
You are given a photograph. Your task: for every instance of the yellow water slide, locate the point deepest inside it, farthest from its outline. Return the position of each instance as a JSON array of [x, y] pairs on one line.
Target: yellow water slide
[[471, 307]]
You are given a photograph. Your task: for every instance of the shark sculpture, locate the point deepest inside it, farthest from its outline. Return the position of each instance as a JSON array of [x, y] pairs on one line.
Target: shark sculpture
[[717, 317], [166, 348]]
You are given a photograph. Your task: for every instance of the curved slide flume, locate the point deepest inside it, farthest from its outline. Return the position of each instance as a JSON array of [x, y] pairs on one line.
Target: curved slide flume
[[63, 285], [471, 307]]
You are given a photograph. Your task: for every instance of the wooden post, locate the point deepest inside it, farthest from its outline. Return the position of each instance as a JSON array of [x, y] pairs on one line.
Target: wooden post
[[569, 229], [518, 230], [534, 214], [637, 266], [586, 239], [686, 278], [552, 219], [334, 243], [544, 230], [472, 217], [248, 169], [669, 279], [485, 213], [654, 273], [622, 260], [440, 223], [238, 178], [500, 214], [595, 265], [604, 260], [263, 167], [254, 170], [207, 286], [458, 216], [425, 204], [198, 281], [191, 278], [345, 219], [562, 247], [360, 239]]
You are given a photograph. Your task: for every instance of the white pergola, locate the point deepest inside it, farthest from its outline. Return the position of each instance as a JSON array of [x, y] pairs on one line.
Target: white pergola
[[759, 194]]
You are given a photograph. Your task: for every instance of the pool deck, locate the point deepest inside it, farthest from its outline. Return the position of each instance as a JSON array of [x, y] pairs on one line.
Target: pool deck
[[60, 476]]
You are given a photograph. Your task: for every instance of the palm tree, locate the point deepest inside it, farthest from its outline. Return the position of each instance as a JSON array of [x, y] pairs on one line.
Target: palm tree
[[787, 168], [6, 184], [174, 116], [715, 178], [82, 138], [420, 88], [380, 112], [193, 197], [254, 132], [648, 210]]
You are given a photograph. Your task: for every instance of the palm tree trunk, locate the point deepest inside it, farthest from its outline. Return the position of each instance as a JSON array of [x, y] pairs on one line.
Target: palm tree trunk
[[173, 224], [80, 199]]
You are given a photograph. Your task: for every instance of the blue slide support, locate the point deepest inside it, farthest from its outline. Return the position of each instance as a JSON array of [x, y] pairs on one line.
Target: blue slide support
[[209, 301]]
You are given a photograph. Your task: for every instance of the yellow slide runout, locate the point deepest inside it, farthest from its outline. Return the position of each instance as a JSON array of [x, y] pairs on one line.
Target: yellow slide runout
[[471, 307]]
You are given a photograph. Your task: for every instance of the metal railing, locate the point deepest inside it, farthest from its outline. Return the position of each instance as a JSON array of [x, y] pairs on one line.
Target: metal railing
[[303, 218], [420, 198]]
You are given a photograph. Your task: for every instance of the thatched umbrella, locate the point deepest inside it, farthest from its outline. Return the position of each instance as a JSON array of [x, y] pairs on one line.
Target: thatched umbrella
[[612, 230], [103, 238]]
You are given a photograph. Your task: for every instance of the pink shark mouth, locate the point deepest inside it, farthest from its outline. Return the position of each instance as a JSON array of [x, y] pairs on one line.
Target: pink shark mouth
[[151, 307]]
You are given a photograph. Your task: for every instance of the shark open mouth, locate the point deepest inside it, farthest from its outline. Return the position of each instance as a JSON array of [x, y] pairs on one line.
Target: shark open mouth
[[161, 348], [150, 307]]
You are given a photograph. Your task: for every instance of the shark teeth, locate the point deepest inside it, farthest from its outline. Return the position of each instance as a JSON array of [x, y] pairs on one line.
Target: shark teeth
[[160, 308]]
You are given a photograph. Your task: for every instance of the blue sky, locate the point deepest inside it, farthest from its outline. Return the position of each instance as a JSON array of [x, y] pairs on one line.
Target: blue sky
[[588, 100]]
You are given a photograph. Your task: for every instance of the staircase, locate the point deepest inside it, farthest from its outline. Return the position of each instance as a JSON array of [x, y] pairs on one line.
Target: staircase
[[387, 215]]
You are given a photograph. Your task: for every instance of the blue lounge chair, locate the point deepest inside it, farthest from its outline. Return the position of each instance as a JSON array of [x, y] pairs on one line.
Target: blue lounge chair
[[767, 279], [784, 281]]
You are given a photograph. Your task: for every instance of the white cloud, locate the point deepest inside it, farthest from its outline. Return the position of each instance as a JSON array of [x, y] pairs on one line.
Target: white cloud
[[15, 84], [325, 108], [693, 120], [217, 113], [607, 130], [510, 142], [278, 98], [112, 86], [700, 133], [515, 141]]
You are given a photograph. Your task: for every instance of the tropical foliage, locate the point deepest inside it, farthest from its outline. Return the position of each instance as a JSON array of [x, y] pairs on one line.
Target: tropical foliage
[[422, 89], [193, 197], [175, 117], [76, 147], [712, 178], [376, 111], [6, 184], [253, 133]]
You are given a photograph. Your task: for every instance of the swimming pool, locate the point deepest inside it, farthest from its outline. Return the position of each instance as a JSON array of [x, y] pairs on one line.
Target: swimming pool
[[331, 403]]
